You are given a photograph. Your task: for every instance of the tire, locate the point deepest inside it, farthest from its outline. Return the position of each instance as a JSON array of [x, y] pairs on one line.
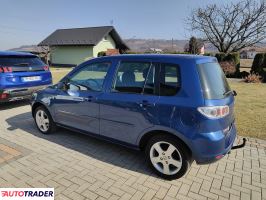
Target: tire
[[168, 157], [43, 120]]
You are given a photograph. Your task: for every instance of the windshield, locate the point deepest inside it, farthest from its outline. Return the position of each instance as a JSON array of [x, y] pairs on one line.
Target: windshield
[[213, 81], [20, 61]]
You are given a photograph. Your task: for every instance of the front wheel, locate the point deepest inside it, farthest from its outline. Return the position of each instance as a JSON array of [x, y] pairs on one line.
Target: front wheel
[[44, 120], [168, 157]]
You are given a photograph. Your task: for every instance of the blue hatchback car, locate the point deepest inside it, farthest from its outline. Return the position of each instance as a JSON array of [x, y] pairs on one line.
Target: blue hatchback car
[[21, 74], [176, 108]]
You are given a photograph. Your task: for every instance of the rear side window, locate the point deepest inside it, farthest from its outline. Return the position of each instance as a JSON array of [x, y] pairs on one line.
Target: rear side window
[[20, 61], [213, 81], [169, 79], [135, 77]]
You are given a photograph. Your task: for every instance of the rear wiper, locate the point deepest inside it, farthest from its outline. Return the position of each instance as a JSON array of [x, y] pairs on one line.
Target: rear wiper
[[21, 64], [229, 92]]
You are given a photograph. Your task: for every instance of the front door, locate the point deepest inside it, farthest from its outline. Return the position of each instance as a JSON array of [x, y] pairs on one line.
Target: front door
[[130, 106], [77, 106]]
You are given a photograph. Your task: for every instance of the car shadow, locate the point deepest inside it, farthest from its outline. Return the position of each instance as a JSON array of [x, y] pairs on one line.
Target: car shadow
[[13, 104], [101, 150]]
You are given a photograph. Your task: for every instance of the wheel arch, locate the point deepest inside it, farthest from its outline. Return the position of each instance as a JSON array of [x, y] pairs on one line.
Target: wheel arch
[[148, 135], [38, 104]]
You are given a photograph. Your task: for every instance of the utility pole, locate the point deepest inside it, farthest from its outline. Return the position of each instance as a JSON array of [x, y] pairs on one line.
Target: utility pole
[[172, 44]]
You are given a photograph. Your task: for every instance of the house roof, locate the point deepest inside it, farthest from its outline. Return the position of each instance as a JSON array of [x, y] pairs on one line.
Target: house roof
[[83, 36], [31, 49], [14, 53]]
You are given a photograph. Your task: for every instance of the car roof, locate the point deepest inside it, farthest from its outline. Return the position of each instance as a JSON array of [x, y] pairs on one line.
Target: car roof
[[194, 58], [15, 53]]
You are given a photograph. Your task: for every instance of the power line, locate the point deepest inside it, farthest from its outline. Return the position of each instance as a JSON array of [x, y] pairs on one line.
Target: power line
[[19, 29]]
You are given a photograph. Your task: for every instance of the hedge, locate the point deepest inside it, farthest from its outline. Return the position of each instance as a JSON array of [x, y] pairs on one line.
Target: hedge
[[230, 57], [259, 65], [101, 53]]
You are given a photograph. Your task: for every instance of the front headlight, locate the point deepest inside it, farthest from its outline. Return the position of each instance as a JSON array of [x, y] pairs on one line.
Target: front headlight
[[34, 95]]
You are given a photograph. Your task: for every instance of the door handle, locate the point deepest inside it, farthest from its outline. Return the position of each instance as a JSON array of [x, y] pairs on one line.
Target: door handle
[[89, 98], [145, 104]]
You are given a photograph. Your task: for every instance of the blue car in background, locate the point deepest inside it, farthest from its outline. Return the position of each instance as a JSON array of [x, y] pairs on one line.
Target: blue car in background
[[21, 74], [176, 108]]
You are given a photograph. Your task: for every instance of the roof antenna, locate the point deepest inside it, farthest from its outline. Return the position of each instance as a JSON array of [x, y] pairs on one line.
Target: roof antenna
[[111, 22]]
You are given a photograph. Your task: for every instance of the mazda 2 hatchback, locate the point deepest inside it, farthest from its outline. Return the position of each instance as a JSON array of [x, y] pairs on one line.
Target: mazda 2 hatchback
[[176, 108], [21, 74]]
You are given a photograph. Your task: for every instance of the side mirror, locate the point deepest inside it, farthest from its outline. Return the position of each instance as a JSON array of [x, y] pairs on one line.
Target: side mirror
[[63, 86]]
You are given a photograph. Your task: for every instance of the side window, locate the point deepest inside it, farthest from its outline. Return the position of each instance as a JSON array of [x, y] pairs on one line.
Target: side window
[[169, 79], [135, 77], [90, 77]]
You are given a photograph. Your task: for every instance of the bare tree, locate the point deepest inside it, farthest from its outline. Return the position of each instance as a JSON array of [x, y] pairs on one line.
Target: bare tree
[[231, 27]]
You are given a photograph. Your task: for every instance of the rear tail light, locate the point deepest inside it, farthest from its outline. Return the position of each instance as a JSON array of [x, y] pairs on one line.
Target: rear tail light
[[3, 96], [5, 69], [214, 112], [46, 68]]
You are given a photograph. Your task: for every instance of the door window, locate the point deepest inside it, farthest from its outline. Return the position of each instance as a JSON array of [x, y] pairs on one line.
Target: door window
[[169, 79], [90, 77], [135, 77]]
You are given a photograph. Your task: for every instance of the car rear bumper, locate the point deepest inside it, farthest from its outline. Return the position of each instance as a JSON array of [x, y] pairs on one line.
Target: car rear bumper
[[15, 94], [211, 147]]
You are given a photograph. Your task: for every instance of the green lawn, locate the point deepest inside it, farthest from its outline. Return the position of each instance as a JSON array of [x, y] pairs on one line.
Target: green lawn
[[250, 108]]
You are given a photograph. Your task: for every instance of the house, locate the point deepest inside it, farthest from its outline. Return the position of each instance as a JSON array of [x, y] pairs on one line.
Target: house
[[42, 51], [248, 54], [70, 47], [155, 50], [31, 49]]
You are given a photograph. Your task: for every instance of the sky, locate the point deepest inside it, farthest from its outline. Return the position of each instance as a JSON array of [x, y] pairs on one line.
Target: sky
[[27, 22]]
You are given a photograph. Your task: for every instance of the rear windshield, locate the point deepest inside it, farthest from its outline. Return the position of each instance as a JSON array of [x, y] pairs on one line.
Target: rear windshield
[[213, 81], [20, 61]]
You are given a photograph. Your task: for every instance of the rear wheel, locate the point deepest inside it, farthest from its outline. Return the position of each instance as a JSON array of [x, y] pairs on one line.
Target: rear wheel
[[167, 156], [44, 120]]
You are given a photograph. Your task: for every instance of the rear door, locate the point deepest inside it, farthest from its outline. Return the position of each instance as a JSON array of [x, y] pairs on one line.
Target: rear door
[[23, 71], [130, 105]]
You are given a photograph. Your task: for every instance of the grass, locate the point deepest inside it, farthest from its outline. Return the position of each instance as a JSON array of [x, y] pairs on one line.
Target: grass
[[58, 74], [250, 107]]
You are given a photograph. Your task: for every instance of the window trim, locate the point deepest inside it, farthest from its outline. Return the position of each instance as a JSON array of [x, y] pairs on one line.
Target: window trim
[[179, 78], [157, 70]]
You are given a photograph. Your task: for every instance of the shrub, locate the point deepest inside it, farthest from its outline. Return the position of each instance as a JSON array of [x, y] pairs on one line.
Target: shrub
[[230, 57], [253, 78], [101, 53], [259, 65], [131, 52], [244, 74], [208, 54], [228, 67]]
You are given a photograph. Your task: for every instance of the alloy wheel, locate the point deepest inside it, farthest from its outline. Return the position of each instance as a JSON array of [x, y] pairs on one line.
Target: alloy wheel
[[42, 120], [165, 157]]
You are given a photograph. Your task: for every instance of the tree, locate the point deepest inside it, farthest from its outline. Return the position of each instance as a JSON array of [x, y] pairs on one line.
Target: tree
[[231, 27], [192, 46]]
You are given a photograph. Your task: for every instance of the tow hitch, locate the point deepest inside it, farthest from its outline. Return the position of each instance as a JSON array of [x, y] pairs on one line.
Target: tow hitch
[[240, 145]]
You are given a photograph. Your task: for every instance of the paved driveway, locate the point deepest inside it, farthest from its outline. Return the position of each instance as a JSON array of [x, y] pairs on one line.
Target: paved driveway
[[79, 167]]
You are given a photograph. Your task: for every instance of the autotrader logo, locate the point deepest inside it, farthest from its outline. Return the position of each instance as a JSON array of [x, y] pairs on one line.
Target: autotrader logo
[[26, 193]]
